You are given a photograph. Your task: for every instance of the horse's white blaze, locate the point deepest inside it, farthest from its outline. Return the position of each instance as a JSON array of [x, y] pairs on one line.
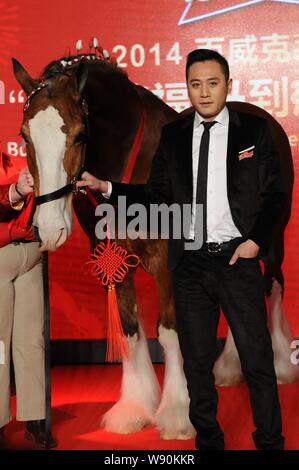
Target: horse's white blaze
[[173, 414], [53, 219]]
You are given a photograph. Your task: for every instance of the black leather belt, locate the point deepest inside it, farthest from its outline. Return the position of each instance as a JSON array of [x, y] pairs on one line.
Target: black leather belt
[[213, 247]]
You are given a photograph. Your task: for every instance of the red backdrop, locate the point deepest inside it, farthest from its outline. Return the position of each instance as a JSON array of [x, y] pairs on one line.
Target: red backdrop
[[151, 39]]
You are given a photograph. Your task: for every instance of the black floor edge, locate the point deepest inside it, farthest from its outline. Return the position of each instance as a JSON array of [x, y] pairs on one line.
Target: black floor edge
[[94, 351]]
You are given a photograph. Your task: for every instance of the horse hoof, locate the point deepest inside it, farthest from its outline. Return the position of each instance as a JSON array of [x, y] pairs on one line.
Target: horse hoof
[[183, 435], [229, 381], [173, 422], [126, 418]]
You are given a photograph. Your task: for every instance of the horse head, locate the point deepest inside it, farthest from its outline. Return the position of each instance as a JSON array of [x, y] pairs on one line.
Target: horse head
[[54, 129]]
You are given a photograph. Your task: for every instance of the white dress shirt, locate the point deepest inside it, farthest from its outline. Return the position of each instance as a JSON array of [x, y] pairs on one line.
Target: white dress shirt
[[220, 225]]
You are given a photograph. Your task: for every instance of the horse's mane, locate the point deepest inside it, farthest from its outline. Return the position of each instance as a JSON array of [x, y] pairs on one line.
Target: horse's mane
[[68, 64]]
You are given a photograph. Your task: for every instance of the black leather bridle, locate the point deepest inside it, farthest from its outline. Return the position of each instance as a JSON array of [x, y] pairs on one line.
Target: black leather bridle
[[68, 188]]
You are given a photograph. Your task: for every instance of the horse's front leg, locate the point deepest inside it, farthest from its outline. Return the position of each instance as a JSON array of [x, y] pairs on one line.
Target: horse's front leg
[[227, 368], [140, 391], [172, 417], [281, 335]]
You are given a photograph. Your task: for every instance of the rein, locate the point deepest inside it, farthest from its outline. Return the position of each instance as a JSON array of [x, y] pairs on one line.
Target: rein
[[135, 148]]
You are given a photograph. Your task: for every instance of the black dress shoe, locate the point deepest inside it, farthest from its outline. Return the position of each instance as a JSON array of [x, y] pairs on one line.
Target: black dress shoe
[[36, 431]]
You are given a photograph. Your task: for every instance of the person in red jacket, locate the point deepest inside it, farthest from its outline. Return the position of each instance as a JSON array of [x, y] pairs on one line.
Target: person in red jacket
[[21, 303]]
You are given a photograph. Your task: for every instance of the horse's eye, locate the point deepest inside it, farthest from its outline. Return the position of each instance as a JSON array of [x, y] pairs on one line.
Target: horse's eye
[[80, 138]]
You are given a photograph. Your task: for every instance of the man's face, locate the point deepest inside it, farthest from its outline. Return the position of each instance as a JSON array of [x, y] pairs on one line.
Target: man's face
[[208, 88]]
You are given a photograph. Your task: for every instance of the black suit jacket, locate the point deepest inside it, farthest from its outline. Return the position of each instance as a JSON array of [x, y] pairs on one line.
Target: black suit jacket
[[255, 189]]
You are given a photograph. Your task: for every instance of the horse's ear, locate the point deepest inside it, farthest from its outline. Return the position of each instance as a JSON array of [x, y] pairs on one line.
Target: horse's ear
[[81, 76], [23, 77]]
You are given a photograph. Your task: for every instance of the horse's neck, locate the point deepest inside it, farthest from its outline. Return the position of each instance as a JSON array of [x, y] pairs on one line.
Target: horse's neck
[[113, 116], [159, 111], [114, 120]]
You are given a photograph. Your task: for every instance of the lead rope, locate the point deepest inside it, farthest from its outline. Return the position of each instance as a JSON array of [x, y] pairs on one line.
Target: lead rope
[[110, 263]]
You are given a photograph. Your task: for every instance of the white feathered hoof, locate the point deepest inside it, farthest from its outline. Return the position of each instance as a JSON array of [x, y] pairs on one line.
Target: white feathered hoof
[[227, 371], [126, 417], [173, 422]]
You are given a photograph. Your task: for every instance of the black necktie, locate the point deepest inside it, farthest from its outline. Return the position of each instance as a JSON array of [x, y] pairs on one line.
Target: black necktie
[[202, 173]]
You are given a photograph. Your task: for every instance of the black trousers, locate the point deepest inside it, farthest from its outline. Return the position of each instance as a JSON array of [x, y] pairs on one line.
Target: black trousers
[[203, 282]]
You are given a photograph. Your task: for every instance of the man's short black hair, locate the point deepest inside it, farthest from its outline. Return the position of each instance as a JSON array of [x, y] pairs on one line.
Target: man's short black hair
[[201, 55]]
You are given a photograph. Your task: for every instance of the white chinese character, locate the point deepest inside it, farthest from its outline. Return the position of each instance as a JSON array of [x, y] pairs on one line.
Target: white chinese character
[[158, 90], [295, 97], [275, 48], [281, 97], [210, 43], [235, 93], [243, 50], [271, 95], [177, 96], [296, 48], [262, 91]]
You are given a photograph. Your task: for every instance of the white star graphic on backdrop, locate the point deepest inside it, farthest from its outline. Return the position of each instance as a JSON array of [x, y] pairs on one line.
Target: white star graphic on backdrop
[[229, 8]]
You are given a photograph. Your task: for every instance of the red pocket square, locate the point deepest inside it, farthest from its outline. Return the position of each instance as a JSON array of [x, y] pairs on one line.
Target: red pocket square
[[246, 154]]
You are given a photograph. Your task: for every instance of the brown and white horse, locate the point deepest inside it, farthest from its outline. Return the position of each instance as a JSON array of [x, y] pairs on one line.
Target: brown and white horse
[[55, 128]]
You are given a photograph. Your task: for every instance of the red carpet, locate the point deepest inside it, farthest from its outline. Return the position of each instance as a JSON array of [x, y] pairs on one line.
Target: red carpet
[[80, 395]]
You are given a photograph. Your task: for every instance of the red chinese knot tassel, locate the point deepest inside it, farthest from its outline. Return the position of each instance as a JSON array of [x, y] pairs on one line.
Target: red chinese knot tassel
[[110, 263]]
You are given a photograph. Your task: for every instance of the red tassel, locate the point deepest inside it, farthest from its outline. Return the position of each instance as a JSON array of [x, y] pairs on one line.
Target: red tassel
[[110, 263], [117, 347]]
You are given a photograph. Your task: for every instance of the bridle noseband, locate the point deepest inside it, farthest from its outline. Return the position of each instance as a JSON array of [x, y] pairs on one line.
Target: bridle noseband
[[68, 188]]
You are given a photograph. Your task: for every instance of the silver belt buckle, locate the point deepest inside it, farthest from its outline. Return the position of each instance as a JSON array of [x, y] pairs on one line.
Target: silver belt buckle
[[215, 249]]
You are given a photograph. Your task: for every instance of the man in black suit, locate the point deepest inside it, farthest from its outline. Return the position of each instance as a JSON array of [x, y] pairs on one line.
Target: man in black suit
[[226, 162]]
